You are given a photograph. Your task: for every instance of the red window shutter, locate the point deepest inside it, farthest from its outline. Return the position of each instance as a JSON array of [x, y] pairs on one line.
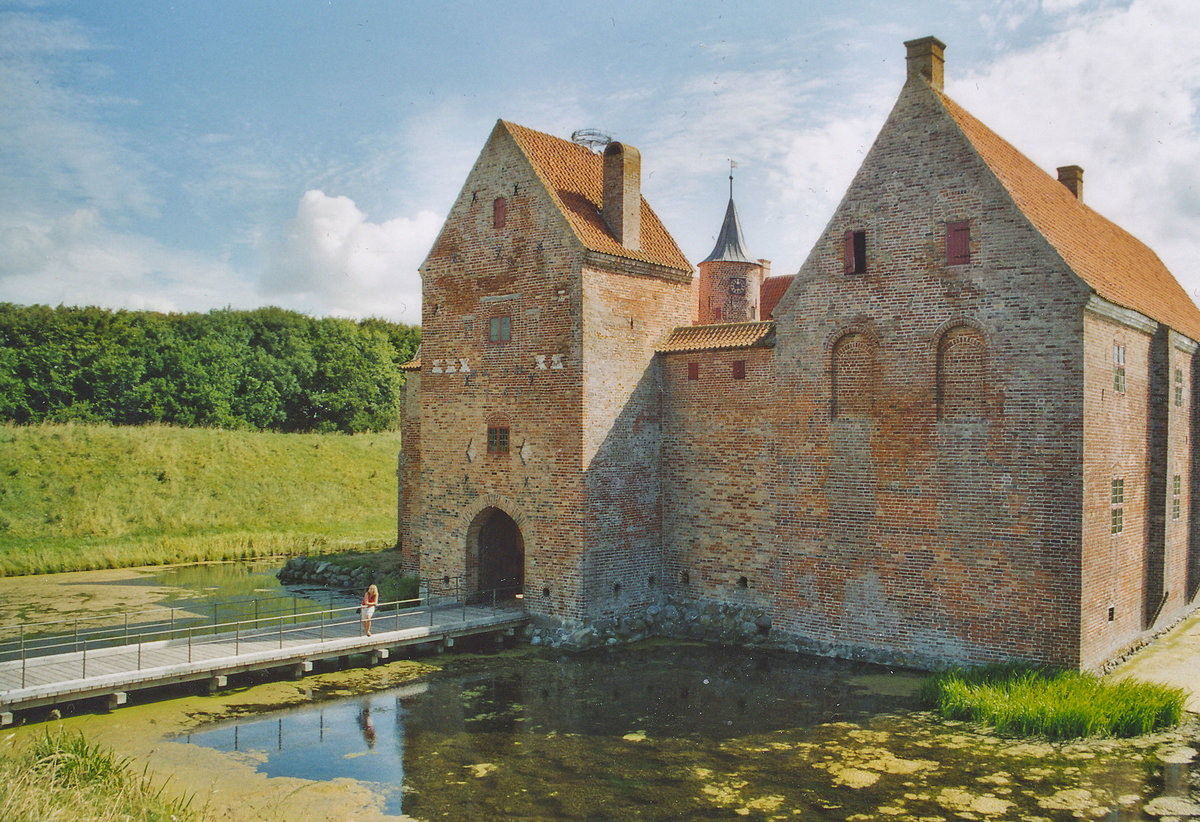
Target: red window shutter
[[499, 207], [958, 243], [848, 253], [693, 371], [739, 369]]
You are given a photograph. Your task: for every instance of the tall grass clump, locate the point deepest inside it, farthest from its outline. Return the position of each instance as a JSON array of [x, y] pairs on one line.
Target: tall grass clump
[[64, 777], [1026, 700], [77, 497]]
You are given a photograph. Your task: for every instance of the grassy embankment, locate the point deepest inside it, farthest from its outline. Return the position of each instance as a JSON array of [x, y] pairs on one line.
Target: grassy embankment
[[1022, 700], [64, 777], [81, 497]]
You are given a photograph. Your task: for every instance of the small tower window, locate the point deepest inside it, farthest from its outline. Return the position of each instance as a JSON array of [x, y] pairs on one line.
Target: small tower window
[[499, 329], [1179, 387], [855, 252], [1176, 493], [1119, 368], [958, 243], [497, 440], [499, 209], [1118, 506]]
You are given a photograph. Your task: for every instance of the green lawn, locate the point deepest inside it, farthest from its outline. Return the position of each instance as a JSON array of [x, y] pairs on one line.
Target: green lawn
[[78, 497]]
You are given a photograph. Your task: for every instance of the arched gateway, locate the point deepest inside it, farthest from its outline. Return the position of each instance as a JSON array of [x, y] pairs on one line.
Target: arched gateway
[[495, 555]]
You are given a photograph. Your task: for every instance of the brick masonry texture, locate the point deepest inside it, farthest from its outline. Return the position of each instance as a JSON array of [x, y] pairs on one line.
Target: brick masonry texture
[[917, 465]]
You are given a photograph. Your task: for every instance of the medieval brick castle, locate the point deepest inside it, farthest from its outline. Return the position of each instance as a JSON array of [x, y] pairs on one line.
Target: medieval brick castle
[[961, 432]]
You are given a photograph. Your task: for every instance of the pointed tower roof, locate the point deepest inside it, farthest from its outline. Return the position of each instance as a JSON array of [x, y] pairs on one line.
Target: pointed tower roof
[[731, 245]]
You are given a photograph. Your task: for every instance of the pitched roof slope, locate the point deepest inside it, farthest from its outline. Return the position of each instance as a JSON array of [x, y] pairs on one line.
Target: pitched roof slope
[[1114, 263], [724, 335], [772, 292], [574, 176], [731, 245]]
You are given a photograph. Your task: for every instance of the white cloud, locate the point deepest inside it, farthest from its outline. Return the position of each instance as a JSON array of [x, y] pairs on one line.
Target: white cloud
[[76, 259], [334, 258]]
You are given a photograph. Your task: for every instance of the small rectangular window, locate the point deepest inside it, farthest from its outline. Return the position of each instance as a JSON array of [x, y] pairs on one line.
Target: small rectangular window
[[1179, 386], [499, 329], [497, 440], [693, 371], [1119, 368], [958, 243], [1176, 491], [739, 369], [1118, 506], [499, 212], [854, 253]]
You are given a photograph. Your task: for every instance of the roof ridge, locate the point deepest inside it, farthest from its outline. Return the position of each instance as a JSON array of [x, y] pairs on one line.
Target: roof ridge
[[1110, 260]]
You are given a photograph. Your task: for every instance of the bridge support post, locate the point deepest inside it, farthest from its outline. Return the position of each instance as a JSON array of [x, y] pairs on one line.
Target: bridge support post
[[447, 642], [6, 718], [215, 683], [298, 670], [377, 655], [115, 700]]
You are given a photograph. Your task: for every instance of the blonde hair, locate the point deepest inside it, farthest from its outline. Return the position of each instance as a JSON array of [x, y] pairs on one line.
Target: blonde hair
[[372, 589]]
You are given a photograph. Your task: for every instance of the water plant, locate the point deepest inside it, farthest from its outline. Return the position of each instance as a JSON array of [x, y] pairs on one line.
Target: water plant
[[1028, 700], [65, 777]]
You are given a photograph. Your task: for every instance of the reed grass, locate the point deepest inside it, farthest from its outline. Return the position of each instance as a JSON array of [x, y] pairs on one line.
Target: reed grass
[[64, 777], [1025, 700], [82, 497]]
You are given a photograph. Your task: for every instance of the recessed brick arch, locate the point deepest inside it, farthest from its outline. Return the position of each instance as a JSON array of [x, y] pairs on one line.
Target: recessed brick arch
[[493, 535], [853, 373]]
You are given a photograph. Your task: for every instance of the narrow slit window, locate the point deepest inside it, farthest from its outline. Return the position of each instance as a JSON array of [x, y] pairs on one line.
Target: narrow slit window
[[739, 369], [1176, 493], [1119, 368], [497, 440], [693, 371], [1179, 387], [1118, 506], [958, 243], [499, 212], [855, 252]]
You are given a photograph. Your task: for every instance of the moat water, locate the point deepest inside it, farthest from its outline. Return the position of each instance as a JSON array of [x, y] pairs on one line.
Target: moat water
[[662, 732], [656, 731]]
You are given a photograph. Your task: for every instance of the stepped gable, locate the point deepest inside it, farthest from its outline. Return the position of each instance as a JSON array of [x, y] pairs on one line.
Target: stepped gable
[[721, 336], [574, 177], [772, 292], [1114, 263]]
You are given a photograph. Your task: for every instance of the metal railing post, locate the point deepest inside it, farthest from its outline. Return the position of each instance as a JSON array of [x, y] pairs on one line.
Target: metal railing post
[[322, 626], [126, 642], [189, 643], [214, 619], [171, 635], [83, 674], [139, 652], [281, 632], [76, 633], [237, 638], [22, 656], [256, 613]]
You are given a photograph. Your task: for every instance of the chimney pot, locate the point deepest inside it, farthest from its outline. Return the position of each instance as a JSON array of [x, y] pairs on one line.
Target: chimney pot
[[1072, 178], [925, 58], [622, 206]]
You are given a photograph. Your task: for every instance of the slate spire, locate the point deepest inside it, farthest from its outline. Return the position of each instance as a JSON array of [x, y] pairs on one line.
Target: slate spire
[[731, 245]]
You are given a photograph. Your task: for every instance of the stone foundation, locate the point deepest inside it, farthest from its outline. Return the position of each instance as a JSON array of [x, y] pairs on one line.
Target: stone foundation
[[319, 572]]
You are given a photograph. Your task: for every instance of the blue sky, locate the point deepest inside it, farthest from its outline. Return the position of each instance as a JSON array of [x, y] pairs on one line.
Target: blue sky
[[204, 153]]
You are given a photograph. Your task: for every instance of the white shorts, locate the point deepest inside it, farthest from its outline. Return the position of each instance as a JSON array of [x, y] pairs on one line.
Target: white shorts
[[368, 611]]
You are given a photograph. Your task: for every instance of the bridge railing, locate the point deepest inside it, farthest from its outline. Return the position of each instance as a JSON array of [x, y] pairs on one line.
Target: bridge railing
[[139, 641]]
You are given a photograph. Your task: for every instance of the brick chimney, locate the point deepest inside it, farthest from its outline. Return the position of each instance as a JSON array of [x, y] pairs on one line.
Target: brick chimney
[[1072, 178], [622, 208], [925, 58]]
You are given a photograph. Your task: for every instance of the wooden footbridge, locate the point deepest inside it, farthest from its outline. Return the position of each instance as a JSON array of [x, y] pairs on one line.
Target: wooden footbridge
[[132, 651]]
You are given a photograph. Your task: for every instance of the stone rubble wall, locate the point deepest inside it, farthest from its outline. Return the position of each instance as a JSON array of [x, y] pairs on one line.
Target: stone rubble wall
[[316, 571]]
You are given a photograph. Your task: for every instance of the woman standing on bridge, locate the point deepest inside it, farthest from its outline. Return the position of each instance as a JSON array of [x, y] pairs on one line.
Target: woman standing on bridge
[[369, 601]]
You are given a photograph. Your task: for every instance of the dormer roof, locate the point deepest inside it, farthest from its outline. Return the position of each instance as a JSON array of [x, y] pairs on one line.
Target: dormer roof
[[574, 178], [731, 245]]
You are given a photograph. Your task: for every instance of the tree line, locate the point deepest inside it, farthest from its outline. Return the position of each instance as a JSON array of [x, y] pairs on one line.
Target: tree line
[[266, 369]]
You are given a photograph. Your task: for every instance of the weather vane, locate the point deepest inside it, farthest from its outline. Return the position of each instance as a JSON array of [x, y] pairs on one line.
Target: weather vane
[[732, 166]]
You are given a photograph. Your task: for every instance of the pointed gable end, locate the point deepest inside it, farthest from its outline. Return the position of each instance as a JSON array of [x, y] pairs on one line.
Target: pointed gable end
[[1114, 263], [574, 177]]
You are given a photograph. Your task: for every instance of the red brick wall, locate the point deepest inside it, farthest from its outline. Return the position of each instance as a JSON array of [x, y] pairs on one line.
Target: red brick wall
[[529, 271], [718, 516], [625, 316], [899, 533]]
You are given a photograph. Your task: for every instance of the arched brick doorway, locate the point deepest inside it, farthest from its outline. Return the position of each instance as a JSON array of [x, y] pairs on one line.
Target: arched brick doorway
[[495, 555]]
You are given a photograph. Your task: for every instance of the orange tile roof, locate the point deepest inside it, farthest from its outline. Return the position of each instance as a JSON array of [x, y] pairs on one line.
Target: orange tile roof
[[725, 335], [1114, 263], [772, 291], [412, 365], [574, 176]]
